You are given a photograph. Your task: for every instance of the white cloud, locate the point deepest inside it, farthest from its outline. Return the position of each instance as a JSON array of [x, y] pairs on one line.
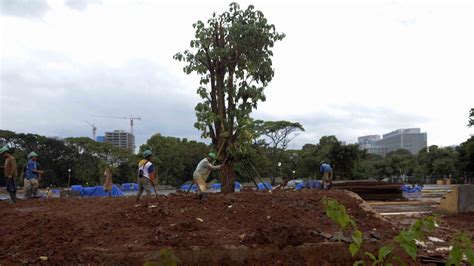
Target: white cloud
[[24, 8], [345, 68]]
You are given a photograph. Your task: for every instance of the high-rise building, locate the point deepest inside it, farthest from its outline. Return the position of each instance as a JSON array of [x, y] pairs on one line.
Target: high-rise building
[[411, 139], [367, 141], [121, 139]]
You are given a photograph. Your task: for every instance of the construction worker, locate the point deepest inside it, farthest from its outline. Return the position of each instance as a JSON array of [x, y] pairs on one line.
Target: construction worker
[[32, 175], [202, 172], [146, 174], [108, 181], [326, 172], [10, 172]]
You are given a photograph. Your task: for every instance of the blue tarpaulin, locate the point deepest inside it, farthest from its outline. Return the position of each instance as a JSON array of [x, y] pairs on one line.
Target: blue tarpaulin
[[76, 188], [411, 189], [185, 187], [98, 191], [261, 186], [129, 186], [237, 185], [313, 184], [299, 186]]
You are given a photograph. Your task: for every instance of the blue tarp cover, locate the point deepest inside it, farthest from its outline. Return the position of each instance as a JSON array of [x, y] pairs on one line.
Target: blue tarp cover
[[261, 186], [299, 186], [129, 186], [76, 188], [313, 184], [237, 185], [410, 189], [185, 187], [98, 191]]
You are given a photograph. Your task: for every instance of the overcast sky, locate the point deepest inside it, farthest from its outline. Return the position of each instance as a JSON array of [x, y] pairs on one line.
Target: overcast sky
[[346, 68]]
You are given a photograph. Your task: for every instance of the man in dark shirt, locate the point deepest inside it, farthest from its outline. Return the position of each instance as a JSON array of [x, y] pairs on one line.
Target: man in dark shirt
[[10, 172]]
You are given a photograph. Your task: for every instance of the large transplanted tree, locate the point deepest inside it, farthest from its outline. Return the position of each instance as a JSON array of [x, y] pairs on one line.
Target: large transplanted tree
[[232, 55]]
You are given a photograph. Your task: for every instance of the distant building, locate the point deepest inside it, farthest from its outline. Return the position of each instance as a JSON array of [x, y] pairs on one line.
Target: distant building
[[121, 139], [410, 139], [100, 139], [367, 141]]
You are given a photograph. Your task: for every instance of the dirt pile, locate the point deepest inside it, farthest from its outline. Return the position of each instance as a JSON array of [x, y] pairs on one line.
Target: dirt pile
[[114, 230]]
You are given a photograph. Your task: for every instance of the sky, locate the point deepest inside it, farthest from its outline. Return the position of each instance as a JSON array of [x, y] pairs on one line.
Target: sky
[[345, 68]]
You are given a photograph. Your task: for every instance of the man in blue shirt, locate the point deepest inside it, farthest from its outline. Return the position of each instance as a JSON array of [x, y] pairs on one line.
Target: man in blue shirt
[[326, 172], [32, 175]]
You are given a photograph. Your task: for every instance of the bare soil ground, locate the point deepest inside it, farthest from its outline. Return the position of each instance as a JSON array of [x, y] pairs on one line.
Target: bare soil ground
[[284, 227]]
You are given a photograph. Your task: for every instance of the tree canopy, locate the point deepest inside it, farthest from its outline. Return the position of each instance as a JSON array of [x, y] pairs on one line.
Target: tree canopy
[[471, 118], [231, 52]]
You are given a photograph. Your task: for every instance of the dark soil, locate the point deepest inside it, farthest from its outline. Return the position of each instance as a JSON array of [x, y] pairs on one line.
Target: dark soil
[[270, 228], [463, 222]]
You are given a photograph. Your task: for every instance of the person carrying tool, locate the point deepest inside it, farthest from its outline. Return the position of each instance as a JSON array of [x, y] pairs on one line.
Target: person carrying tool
[[202, 172], [146, 174], [32, 175], [326, 172], [10, 172], [108, 181]]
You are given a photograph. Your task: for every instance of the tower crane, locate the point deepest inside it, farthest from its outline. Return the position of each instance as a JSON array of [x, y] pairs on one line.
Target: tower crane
[[131, 118], [94, 129]]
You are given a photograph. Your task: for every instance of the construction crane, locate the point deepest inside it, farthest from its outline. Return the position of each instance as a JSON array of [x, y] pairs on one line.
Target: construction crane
[[94, 129], [131, 118]]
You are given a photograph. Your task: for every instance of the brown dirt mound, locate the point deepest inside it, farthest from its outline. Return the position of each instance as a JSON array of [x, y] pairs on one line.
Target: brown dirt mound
[[105, 230]]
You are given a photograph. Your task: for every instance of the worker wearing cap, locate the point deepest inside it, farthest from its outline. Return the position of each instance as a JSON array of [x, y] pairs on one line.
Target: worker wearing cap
[[203, 170], [326, 171], [146, 174], [32, 175], [108, 183], [10, 172]]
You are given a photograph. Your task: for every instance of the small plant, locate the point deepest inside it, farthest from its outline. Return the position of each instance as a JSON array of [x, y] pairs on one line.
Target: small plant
[[461, 247], [338, 214], [404, 241], [166, 257]]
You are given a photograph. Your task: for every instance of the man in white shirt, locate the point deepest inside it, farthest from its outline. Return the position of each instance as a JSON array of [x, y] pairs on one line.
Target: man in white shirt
[[146, 174], [202, 172]]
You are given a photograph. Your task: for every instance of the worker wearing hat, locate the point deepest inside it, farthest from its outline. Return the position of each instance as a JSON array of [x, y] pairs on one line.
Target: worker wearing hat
[[32, 175], [326, 172], [146, 174], [10, 172], [202, 172]]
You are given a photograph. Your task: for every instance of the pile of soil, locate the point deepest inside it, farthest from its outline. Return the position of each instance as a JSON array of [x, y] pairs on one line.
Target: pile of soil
[[114, 230]]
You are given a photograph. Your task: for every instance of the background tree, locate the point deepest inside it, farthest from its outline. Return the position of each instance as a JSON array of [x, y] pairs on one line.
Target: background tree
[[471, 118], [232, 53], [275, 136], [466, 158], [85, 157], [175, 159]]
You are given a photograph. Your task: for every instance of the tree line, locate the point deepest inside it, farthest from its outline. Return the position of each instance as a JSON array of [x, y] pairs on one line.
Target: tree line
[[177, 158]]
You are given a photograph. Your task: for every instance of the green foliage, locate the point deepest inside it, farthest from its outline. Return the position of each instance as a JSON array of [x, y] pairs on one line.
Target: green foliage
[[466, 156], [343, 158], [471, 118], [275, 137], [175, 159], [418, 231], [232, 53], [461, 247], [337, 212], [85, 157], [405, 240]]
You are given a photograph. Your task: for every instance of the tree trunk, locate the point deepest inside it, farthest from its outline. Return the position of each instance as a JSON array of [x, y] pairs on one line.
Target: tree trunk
[[227, 176]]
